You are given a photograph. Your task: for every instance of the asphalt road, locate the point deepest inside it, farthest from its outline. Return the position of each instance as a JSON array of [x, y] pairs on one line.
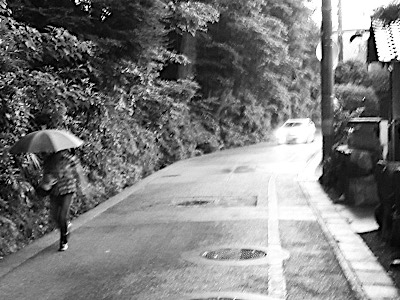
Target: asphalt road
[[233, 224]]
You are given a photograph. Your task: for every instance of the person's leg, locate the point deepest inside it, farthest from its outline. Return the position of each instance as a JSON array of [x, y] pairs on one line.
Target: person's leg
[[65, 202], [55, 210]]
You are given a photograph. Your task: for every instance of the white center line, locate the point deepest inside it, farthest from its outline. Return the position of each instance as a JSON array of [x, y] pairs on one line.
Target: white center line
[[276, 282]]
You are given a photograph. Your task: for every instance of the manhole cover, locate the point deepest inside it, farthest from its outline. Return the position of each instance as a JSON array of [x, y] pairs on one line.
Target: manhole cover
[[234, 254], [193, 203]]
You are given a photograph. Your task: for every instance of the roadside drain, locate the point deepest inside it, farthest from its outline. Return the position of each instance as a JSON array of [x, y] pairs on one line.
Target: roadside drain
[[235, 255], [218, 298], [215, 201], [194, 203], [227, 296], [224, 298]]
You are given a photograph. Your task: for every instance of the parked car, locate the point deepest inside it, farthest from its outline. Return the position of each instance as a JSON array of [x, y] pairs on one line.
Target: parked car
[[296, 131]]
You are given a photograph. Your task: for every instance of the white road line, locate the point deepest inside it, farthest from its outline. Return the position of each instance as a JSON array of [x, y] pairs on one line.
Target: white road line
[[276, 279]]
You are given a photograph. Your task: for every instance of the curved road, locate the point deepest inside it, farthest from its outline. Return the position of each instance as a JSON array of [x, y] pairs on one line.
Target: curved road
[[235, 223]]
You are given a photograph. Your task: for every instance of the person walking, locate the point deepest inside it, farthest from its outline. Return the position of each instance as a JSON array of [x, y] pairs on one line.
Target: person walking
[[62, 178], [62, 172]]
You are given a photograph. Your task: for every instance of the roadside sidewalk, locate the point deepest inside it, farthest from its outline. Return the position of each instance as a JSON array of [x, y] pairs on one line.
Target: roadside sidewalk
[[341, 225]]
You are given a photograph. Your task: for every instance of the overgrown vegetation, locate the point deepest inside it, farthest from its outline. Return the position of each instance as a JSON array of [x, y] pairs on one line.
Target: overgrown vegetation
[[122, 77], [359, 93]]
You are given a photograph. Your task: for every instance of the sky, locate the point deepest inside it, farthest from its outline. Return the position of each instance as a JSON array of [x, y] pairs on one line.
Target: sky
[[355, 13]]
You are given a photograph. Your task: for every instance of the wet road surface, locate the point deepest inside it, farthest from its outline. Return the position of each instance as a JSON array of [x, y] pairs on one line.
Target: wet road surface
[[233, 224]]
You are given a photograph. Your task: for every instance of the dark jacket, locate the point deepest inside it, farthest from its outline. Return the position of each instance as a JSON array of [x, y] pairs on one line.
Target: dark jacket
[[60, 174]]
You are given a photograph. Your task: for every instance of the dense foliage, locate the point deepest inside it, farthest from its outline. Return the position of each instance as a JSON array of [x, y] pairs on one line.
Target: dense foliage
[[360, 91], [256, 69], [120, 75], [360, 86], [351, 97]]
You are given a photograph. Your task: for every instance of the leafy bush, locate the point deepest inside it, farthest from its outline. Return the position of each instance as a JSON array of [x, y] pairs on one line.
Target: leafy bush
[[351, 97], [352, 72]]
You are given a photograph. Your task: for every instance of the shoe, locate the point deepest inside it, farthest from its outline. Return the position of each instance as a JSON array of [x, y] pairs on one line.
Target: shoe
[[63, 247]]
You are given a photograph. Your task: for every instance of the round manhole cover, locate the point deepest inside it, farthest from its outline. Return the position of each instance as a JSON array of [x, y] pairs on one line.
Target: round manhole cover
[[234, 254], [193, 203]]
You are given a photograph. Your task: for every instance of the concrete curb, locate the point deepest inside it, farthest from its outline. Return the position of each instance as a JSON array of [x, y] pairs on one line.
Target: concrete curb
[[364, 273]]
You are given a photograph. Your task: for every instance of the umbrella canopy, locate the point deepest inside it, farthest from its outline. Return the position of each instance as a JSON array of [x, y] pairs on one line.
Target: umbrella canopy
[[48, 140]]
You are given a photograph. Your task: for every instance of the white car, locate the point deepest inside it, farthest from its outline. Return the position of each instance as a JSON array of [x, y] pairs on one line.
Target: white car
[[296, 131]]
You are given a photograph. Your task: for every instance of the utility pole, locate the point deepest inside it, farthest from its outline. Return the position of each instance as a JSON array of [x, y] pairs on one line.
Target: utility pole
[[340, 30], [327, 79]]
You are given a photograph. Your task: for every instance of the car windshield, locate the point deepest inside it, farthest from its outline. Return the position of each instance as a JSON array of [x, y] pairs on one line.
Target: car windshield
[[293, 124]]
